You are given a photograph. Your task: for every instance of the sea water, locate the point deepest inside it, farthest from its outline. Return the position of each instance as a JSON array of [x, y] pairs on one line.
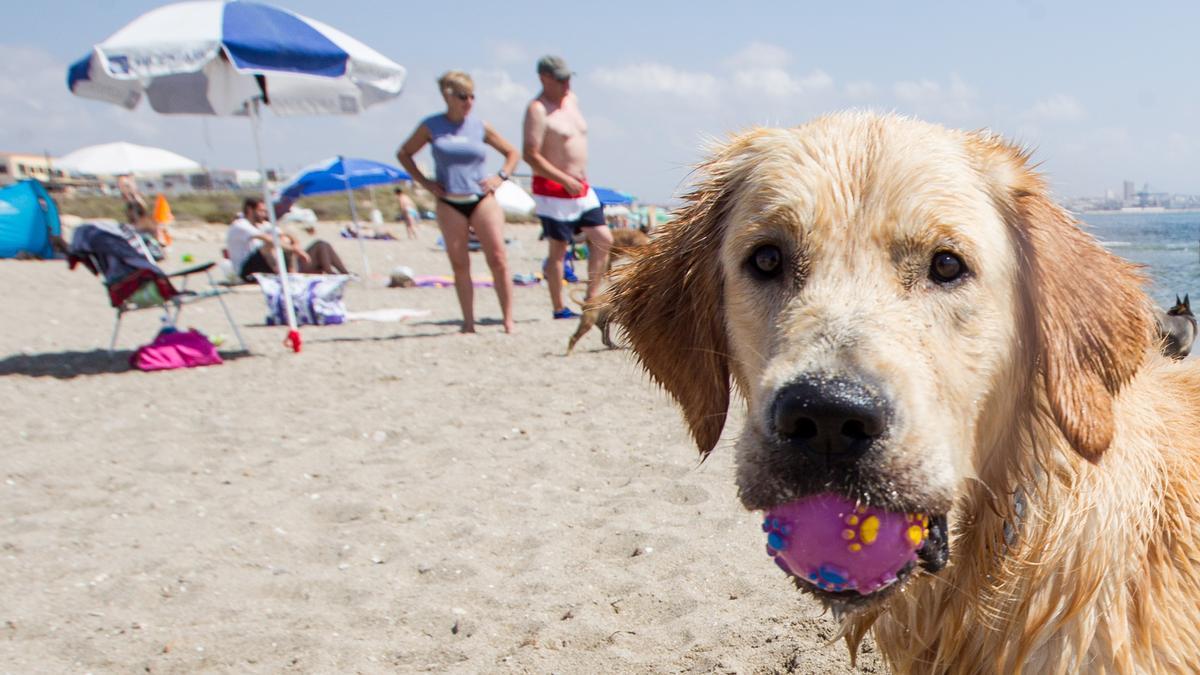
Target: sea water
[[1167, 243]]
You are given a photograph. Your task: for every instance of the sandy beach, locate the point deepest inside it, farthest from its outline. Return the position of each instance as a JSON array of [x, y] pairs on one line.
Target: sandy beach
[[396, 498]]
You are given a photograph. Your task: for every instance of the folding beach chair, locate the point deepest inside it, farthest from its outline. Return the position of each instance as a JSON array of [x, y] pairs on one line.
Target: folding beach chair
[[134, 282]]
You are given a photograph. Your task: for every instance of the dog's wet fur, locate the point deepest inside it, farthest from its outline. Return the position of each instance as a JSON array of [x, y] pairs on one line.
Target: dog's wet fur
[[913, 323]]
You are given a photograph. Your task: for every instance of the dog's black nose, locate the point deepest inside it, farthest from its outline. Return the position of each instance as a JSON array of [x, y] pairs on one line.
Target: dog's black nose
[[834, 419]]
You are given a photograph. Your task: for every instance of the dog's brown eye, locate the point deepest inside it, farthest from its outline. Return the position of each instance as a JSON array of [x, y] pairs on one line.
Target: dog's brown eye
[[766, 262], [946, 267]]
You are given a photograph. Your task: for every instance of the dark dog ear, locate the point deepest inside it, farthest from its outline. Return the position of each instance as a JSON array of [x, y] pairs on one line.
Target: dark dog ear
[[1187, 306], [669, 303], [1092, 320], [1178, 302]]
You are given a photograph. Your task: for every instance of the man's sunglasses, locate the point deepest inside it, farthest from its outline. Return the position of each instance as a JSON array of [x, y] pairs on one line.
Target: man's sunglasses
[[465, 97]]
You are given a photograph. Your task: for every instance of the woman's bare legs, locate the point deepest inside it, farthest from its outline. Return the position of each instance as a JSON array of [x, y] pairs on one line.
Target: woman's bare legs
[[488, 221], [323, 259], [454, 233]]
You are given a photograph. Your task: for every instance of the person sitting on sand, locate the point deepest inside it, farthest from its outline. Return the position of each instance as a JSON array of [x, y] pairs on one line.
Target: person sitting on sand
[[137, 214], [144, 228], [251, 247], [464, 190]]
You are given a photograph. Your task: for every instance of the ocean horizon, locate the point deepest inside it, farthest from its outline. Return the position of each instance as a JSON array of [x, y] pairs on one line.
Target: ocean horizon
[[1166, 243]]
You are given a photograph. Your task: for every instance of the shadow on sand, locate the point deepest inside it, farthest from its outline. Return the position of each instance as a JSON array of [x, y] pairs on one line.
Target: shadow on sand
[[68, 365]]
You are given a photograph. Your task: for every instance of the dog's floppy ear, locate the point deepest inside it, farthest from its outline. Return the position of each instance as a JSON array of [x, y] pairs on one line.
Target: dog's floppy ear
[[1091, 316], [669, 302]]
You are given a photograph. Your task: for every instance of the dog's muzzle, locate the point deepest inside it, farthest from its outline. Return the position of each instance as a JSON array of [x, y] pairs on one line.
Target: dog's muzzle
[[829, 434]]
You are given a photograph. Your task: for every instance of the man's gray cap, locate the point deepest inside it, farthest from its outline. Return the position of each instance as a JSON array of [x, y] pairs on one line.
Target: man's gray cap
[[554, 66]]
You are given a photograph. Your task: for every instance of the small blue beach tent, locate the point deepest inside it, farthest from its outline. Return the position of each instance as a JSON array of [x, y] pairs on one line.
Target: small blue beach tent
[[28, 217]]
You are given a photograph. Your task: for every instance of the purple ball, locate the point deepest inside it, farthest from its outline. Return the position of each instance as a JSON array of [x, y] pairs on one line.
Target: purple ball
[[836, 545]]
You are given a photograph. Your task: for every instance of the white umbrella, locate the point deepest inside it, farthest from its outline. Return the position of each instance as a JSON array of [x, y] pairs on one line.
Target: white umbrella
[[115, 159], [227, 58]]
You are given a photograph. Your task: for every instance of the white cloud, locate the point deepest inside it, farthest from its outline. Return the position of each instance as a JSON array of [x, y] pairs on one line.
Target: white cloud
[[860, 90], [657, 78], [506, 52], [769, 81], [817, 79], [1057, 108], [962, 91], [500, 86], [777, 82], [916, 92], [759, 55], [40, 113], [955, 99]]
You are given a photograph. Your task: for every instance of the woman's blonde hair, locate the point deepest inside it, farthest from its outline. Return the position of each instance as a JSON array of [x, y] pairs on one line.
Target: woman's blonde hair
[[456, 82]]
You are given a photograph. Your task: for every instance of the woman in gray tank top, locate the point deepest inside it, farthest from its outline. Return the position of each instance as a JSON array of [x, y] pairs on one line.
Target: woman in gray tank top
[[464, 190]]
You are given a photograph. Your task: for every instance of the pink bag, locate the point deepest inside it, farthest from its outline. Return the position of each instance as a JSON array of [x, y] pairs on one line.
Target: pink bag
[[176, 349]]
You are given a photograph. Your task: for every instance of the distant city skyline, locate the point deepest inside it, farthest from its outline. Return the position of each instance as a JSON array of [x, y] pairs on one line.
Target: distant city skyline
[[1132, 198], [1098, 91]]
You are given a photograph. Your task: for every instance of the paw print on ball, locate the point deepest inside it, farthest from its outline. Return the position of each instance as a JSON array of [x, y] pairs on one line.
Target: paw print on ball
[[834, 544]]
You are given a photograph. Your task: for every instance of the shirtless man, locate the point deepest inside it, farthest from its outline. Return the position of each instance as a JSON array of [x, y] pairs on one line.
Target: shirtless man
[[555, 147]]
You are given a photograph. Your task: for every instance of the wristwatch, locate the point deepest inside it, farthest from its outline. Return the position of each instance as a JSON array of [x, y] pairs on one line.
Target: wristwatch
[[503, 174]]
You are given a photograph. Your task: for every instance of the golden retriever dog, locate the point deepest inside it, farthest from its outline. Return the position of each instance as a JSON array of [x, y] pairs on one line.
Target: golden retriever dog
[[626, 243], [596, 312], [914, 324]]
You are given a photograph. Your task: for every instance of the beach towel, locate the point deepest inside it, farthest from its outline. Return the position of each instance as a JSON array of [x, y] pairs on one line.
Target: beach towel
[[316, 298], [347, 233], [386, 315], [435, 281]]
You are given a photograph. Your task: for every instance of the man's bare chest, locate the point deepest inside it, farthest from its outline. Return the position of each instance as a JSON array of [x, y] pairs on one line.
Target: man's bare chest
[[566, 124]]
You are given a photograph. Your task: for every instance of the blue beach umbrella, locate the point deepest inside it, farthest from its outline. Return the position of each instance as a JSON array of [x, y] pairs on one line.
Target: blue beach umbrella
[[212, 57], [343, 174], [610, 197], [338, 174]]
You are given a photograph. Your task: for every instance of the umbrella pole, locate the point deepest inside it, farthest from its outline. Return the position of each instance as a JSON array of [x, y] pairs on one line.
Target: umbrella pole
[[362, 248], [293, 337]]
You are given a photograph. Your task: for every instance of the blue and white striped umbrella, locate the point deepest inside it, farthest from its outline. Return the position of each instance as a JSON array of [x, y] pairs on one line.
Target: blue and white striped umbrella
[[212, 57]]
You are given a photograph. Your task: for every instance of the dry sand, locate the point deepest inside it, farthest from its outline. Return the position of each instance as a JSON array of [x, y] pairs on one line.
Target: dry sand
[[397, 498]]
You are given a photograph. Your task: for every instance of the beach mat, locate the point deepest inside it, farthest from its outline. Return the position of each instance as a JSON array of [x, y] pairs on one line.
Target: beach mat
[[386, 315]]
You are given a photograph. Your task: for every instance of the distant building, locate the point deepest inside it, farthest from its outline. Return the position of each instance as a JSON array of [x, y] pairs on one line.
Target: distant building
[[1130, 191], [15, 166], [232, 179]]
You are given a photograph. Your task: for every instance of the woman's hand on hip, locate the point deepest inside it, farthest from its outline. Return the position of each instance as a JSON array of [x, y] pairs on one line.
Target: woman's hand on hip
[[491, 184]]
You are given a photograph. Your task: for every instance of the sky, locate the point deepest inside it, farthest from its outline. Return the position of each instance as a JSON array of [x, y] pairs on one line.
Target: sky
[[1103, 92]]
